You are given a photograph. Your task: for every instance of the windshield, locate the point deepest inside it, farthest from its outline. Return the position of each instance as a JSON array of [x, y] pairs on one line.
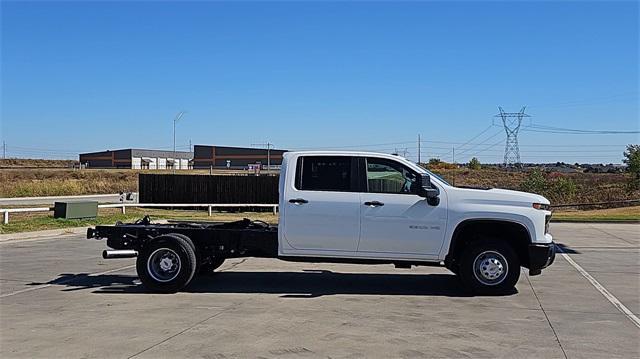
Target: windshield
[[438, 177], [421, 169]]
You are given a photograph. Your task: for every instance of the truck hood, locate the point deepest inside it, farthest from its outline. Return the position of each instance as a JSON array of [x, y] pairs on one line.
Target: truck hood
[[497, 196]]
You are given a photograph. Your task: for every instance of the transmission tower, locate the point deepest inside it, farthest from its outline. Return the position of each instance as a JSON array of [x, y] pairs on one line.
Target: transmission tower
[[511, 122]]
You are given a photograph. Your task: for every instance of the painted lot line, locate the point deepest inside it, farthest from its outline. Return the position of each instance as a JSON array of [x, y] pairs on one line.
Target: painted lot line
[[610, 297]]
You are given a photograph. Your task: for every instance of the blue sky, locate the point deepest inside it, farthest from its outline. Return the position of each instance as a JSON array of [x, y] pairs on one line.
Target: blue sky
[[104, 75]]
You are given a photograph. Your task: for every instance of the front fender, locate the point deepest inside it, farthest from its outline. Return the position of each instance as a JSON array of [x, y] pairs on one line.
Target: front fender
[[522, 220]]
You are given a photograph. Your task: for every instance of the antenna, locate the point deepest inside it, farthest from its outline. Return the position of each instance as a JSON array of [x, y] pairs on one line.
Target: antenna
[[418, 149], [511, 122]]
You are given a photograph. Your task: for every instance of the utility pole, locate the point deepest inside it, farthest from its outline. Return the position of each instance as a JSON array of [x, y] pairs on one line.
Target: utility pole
[[4, 150], [418, 149], [400, 152], [175, 120], [511, 122], [190, 146], [453, 149], [269, 145]]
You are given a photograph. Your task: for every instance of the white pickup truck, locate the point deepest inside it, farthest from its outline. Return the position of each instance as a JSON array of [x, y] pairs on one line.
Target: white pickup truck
[[356, 207]]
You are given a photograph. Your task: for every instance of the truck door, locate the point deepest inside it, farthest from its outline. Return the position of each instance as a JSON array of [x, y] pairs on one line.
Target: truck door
[[395, 220], [323, 208]]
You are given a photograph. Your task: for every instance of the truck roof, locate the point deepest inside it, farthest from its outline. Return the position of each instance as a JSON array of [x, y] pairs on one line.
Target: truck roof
[[343, 153]]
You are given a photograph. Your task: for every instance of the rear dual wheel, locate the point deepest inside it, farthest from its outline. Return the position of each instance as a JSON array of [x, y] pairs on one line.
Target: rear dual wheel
[[167, 264]]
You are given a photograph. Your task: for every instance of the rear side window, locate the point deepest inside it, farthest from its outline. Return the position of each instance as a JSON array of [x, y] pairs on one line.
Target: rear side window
[[324, 173]]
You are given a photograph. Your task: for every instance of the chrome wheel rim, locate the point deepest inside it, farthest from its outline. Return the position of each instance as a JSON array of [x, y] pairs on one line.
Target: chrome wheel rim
[[490, 268], [163, 265]]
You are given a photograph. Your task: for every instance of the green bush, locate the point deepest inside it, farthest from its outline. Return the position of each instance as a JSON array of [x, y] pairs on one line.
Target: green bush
[[563, 190], [474, 164], [632, 160], [558, 188], [535, 183]]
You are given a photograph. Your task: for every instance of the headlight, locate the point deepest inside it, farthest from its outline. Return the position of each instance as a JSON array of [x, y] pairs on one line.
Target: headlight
[[542, 206]]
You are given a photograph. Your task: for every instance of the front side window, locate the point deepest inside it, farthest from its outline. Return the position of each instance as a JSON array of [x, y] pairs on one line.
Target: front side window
[[324, 173], [387, 176]]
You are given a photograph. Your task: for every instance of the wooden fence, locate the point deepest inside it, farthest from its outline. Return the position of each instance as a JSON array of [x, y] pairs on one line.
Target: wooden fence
[[167, 188]]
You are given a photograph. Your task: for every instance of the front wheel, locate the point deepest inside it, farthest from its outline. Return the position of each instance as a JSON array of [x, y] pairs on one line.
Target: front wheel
[[167, 264], [489, 267]]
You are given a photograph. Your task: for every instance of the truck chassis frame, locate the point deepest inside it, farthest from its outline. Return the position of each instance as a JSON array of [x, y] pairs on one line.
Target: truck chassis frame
[[243, 238]]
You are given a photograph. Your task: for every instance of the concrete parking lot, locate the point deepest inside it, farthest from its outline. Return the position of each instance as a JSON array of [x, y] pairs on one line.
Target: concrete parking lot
[[59, 298]]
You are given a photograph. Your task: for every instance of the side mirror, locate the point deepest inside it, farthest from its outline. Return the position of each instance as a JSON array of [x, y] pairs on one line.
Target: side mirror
[[428, 190]]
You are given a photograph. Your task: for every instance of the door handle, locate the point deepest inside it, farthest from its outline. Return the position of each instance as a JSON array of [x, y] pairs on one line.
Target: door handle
[[374, 204], [298, 200]]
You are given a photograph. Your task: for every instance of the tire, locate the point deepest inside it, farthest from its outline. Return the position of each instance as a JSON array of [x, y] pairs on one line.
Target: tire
[[489, 267], [204, 268], [190, 242], [209, 267], [167, 264]]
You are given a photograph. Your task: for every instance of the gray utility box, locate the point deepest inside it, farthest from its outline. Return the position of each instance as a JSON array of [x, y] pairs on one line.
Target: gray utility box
[[72, 210]]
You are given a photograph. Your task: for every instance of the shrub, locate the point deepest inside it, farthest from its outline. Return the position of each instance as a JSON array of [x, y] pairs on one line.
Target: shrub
[[556, 187], [632, 160], [437, 164], [563, 190], [535, 182], [474, 164]]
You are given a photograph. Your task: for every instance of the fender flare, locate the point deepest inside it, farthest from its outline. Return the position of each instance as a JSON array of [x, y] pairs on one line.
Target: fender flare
[[460, 226]]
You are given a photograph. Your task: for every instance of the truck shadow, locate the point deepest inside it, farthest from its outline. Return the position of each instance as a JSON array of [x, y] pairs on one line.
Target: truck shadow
[[305, 284], [560, 247]]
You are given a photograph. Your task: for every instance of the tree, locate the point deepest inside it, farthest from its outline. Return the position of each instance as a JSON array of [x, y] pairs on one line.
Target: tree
[[474, 164], [535, 182], [632, 160]]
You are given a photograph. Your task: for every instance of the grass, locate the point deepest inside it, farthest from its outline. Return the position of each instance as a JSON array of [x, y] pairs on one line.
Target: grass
[[27, 222], [35, 182], [60, 182], [36, 163], [623, 214], [558, 188], [578, 187]]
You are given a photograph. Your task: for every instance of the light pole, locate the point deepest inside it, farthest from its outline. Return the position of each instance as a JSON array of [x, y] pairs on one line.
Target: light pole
[[269, 145], [175, 120]]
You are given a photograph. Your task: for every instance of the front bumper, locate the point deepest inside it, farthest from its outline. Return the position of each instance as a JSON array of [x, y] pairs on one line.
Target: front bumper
[[541, 256]]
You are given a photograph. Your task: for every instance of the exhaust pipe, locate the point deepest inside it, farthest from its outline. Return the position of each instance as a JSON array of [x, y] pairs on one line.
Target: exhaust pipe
[[121, 253]]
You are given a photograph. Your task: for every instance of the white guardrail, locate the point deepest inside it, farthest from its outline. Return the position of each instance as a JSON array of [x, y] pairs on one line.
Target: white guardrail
[[123, 206]]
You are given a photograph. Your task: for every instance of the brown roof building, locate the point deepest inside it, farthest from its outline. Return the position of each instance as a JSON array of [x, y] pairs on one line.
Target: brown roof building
[[235, 157]]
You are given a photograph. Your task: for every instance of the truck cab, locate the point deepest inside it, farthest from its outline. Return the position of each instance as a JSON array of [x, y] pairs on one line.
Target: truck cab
[[379, 207]]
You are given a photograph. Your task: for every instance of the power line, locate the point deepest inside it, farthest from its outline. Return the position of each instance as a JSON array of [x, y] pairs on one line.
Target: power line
[[491, 146], [632, 95], [481, 143], [425, 142], [476, 136], [570, 131]]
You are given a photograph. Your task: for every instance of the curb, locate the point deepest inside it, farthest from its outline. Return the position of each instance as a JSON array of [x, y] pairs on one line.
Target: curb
[[60, 232], [624, 221], [48, 233]]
